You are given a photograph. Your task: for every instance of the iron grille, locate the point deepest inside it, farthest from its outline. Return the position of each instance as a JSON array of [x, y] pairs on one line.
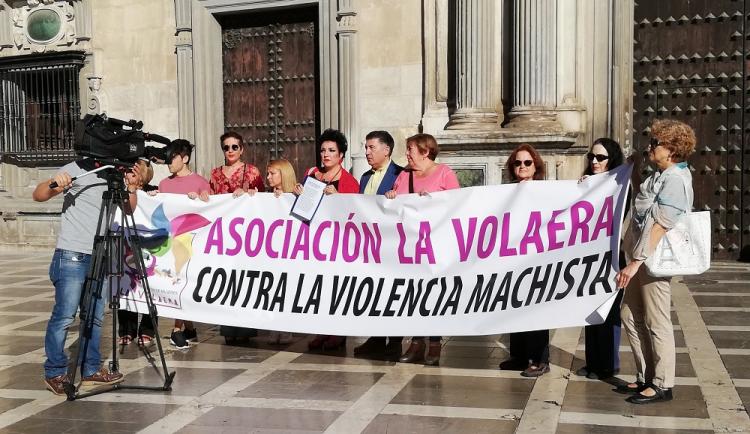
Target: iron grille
[[39, 106]]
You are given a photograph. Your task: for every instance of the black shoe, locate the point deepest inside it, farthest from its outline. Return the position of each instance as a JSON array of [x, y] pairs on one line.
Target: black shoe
[[583, 372], [392, 350], [190, 335], [177, 339], [660, 395], [513, 365], [374, 346], [627, 389]]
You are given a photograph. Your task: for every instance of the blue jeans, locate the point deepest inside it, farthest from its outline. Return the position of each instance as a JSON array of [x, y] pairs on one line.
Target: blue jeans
[[68, 273]]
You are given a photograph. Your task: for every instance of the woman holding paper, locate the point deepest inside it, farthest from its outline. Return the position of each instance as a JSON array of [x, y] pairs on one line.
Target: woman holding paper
[[664, 197], [603, 340], [529, 351], [423, 176], [332, 147]]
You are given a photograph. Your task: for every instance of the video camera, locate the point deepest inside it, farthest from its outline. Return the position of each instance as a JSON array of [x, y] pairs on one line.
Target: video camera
[[118, 142]]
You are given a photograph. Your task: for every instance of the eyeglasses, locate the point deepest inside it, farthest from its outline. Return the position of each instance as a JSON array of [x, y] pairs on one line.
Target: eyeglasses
[[225, 148], [653, 143], [526, 163], [599, 157]]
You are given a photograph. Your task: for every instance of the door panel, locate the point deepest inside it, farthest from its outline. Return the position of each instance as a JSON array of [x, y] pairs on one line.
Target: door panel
[[689, 65]]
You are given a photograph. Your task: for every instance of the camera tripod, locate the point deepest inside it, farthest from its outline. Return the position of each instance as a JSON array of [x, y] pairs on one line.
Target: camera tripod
[[107, 261]]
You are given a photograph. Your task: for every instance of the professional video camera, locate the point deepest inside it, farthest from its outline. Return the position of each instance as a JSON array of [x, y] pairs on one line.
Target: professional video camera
[[118, 142]]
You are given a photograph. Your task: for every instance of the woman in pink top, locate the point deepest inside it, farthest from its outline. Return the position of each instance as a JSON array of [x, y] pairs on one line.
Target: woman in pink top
[[423, 176]]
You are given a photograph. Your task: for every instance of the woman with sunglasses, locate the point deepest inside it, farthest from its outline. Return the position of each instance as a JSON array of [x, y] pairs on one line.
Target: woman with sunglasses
[[663, 199], [529, 351], [423, 175], [603, 340], [332, 146], [236, 177]]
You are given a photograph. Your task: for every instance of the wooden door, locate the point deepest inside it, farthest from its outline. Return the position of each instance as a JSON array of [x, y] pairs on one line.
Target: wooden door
[[689, 64], [270, 86]]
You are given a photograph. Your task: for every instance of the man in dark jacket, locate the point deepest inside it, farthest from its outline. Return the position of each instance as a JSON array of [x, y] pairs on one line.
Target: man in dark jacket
[[378, 180]]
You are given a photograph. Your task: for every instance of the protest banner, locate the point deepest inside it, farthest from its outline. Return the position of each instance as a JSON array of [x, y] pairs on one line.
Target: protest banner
[[474, 261]]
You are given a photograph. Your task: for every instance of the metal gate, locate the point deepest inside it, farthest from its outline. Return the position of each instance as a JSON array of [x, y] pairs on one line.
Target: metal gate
[[690, 65], [270, 86]]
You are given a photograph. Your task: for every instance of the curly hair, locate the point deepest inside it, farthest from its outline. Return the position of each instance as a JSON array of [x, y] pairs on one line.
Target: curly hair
[[676, 136], [336, 136], [538, 162]]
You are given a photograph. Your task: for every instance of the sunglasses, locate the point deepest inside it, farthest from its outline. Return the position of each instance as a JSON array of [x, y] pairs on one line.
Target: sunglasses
[[526, 163], [225, 148], [599, 157]]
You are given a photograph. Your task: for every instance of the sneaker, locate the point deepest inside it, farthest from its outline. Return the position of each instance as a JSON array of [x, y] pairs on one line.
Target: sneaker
[[190, 335], [56, 384], [145, 340], [178, 340], [102, 377]]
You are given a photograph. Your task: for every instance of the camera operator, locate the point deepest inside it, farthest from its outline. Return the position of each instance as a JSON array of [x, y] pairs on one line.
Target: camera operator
[[82, 202]]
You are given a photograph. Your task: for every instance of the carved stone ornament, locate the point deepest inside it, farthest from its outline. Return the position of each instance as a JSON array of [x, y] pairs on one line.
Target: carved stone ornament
[[44, 25], [93, 104]]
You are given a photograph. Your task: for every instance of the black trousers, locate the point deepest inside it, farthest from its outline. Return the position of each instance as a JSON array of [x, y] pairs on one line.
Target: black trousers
[[127, 324], [603, 342], [532, 346]]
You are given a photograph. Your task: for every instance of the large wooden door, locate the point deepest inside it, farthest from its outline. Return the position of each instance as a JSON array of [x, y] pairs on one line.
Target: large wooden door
[[690, 65], [270, 85]]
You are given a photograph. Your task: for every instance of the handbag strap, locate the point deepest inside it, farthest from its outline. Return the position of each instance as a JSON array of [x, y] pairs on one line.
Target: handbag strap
[[411, 181]]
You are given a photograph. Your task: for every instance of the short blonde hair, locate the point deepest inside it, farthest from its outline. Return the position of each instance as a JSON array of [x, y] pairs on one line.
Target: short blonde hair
[[288, 177], [676, 136]]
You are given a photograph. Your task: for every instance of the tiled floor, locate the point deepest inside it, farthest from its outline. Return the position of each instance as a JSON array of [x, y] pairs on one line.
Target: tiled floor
[[261, 388]]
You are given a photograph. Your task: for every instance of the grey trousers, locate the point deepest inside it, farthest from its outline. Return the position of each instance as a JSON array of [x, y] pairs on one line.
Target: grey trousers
[[646, 321]]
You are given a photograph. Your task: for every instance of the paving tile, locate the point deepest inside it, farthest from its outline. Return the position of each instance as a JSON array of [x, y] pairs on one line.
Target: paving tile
[[720, 301], [11, 403], [25, 376], [234, 420], [736, 365], [313, 385], [731, 339], [566, 428], [326, 359], [744, 393], [187, 381], [598, 397], [209, 352], [15, 345], [30, 306], [726, 318], [394, 423], [455, 391], [20, 291], [88, 417], [12, 319]]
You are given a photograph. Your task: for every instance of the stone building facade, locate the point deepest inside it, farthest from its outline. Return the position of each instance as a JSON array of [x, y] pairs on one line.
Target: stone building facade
[[480, 75]]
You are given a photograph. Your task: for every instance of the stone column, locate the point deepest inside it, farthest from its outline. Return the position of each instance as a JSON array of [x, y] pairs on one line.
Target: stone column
[[535, 63], [83, 20], [6, 27], [435, 25], [185, 77], [478, 65]]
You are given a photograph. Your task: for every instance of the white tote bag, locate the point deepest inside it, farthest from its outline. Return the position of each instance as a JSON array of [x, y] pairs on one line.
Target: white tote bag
[[685, 249]]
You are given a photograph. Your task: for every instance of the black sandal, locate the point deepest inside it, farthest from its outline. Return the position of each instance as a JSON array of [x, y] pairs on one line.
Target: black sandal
[[630, 388], [659, 395]]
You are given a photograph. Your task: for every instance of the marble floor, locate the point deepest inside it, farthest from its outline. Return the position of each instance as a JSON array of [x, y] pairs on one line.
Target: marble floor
[[260, 388]]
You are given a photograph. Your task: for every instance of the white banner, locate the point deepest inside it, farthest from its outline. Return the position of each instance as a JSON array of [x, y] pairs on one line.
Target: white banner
[[474, 261]]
